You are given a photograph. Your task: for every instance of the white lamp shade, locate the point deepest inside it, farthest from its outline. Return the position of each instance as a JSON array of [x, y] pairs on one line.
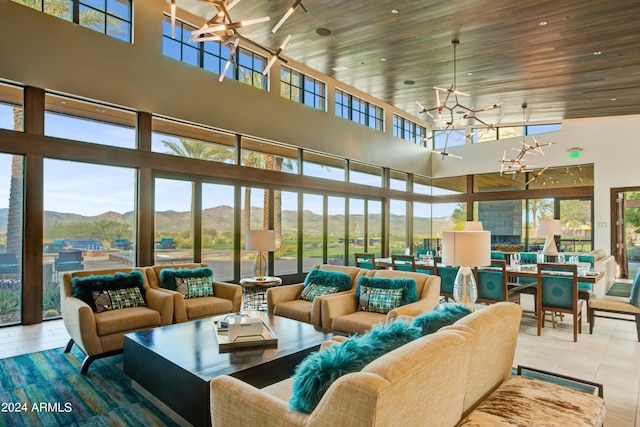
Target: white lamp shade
[[260, 240], [473, 226], [550, 226], [466, 248]]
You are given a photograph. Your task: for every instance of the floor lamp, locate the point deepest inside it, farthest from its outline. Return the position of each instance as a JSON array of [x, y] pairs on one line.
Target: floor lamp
[[262, 241], [466, 249], [550, 227]]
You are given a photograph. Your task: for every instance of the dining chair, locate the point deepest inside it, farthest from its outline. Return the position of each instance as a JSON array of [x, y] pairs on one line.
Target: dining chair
[[492, 284], [403, 262], [367, 261], [558, 293], [528, 258], [447, 277], [423, 252], [497, 255]]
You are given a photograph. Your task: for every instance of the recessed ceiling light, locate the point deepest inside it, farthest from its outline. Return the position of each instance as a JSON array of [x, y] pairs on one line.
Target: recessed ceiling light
[[383, 59], [409, 82], [543, 23], [614, 99], [340, 68], [597, 52], [99, 110], [395, 11], [323, 31], [470, 73]]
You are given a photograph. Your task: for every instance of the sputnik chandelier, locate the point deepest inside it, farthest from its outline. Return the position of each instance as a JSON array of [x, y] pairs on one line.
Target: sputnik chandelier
[[449, 105], [517, 165], [221, 28]]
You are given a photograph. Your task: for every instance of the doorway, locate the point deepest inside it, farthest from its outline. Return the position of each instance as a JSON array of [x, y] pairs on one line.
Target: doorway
[[625, 232]]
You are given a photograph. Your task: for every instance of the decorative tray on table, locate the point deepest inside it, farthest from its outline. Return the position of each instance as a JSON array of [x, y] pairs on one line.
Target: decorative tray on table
[[239, 330]]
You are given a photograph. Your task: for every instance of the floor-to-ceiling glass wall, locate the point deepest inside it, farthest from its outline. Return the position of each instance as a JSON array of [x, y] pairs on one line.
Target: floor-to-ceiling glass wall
[[89, 222], [575, 216], [336, 230], [173, 221], [422, 236], [357, 230], [254, 217], [218, 220], [285, 224], [398, 243], [313, 230]]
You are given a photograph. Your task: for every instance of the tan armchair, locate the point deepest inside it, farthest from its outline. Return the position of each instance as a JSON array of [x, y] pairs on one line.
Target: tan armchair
[[285, 300], [101, 334], [227, 297], [340, 313]]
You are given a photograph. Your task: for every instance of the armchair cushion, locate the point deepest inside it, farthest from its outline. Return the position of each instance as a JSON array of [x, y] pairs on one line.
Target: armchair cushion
[[83, 287], [169, 276], [408, 286], [315, 374], [442, 315], [379, 300], [116, 299], [337, 279], [195, 287], [311, 291]]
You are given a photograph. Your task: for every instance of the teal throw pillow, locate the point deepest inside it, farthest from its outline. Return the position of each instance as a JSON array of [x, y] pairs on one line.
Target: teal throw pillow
[[408, 286], [83, 287], [315, 374], [379, 300], [169, 276], [312, 291], [337, 279], [635, 290], [442, 315]]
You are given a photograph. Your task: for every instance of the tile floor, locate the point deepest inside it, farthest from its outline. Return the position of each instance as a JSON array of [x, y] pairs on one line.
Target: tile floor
[[610, 356]]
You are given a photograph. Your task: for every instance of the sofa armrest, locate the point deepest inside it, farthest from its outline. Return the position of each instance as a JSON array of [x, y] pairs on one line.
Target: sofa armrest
[[412, 310], [336, 306], [279, 294], [229, 291], [80, 323], [236, 403], [161, 302]]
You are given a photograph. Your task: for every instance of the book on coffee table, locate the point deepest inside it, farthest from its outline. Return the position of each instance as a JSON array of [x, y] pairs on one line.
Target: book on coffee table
[[243, 332]]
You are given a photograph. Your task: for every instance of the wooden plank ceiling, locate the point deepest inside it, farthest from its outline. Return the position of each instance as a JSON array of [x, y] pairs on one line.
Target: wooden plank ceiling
[[584, 62]]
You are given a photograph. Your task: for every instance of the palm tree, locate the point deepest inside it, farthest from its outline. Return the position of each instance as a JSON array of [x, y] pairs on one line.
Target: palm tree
[[539, 207], [14, 220]]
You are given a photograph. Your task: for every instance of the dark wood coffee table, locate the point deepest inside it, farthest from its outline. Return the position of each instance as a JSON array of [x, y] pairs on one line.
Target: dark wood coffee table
[[175, 363]]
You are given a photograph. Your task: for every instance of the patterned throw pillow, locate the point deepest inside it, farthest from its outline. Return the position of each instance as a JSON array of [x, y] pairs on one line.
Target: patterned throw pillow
[[379, 300], [194, 287], [116, 299], [311, 291]]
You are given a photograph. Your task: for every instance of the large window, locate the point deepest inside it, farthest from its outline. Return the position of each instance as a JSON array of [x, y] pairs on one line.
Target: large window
[[11, 100], [422, 236], [264, 155], [110, 17], [286, 228], [357, 231], [173, 222], [11, 212], [255, 210], [313, 230], [408, 130], [358, 110], [506, 132], [449, 138], [301, 88], [89, 122], [322, 166], [336, 231], [397, 226], [196, 142], [212, 56], [89, 222], [218, 221], [360, 173]]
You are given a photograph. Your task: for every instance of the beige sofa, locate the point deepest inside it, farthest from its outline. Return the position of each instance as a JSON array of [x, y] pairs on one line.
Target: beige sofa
[[101, 334], [340, 313], [285, 300], [437, 380], [227, 297]]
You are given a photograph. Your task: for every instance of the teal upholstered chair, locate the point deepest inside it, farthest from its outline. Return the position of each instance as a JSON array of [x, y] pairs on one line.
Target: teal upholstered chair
[[447, 277], [497, 255], [558, 293], [625, 305], [367, 261], [528, 258], [492, 284], [403, 262]]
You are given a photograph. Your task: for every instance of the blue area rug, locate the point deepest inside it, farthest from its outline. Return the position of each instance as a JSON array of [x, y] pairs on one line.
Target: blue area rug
[[47, 389]]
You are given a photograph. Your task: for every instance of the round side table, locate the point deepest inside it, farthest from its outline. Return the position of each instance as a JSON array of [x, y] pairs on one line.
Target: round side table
[[254, 291]]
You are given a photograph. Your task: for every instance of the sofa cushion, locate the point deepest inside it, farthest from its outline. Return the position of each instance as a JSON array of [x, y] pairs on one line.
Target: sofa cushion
[[83, 287], [315, 374], [207, 306], [116, 299], [337, 279], [408, 286], [169, 276], [442, 315], [379, 300], [313, 290], [195, 287]]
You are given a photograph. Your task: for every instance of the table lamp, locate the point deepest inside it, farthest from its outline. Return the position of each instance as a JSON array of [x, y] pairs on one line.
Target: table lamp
[[466, 249], [261, 241], [550, 227], [473, 226]]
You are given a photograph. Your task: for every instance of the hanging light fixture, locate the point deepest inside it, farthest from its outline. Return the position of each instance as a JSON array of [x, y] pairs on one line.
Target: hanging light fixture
[[518, 164], [448, 104], [276, 55], [288, 13]]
